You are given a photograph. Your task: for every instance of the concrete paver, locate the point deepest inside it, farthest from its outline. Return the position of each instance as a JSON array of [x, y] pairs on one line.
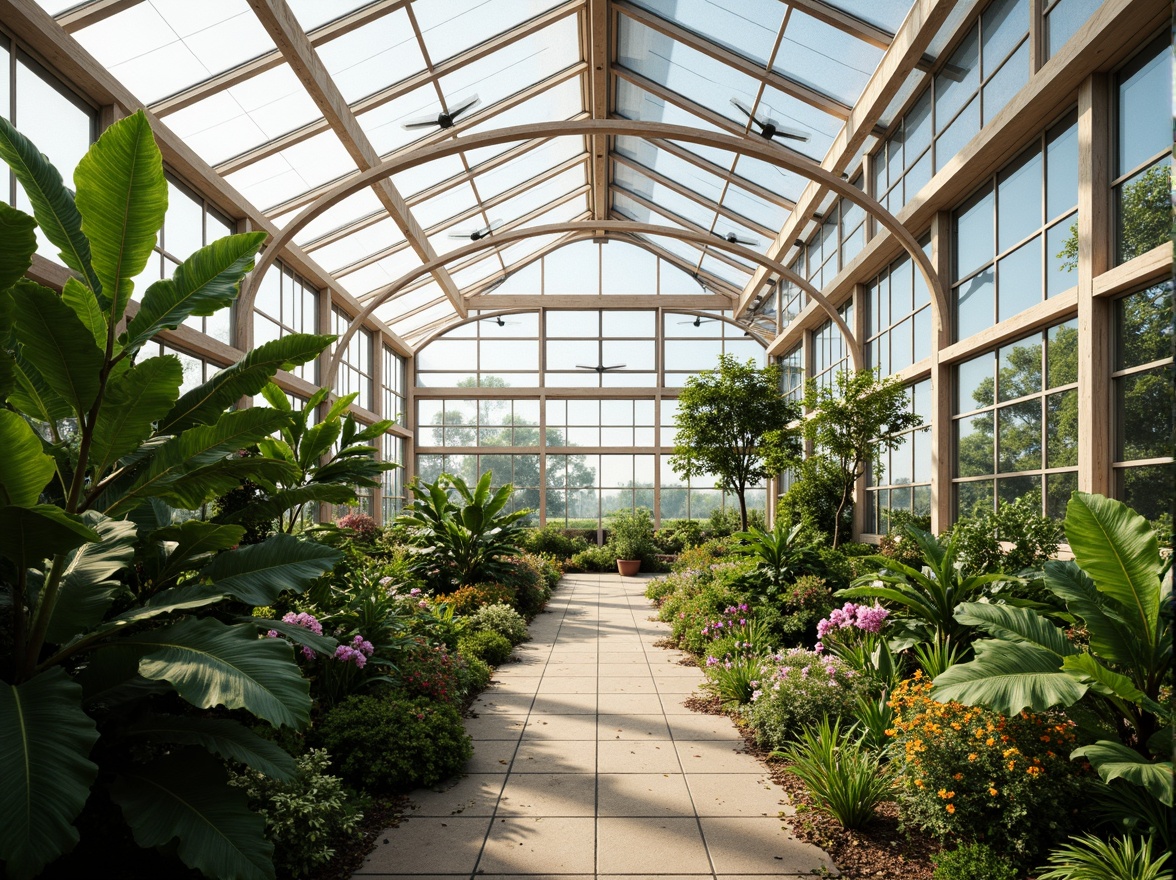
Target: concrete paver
[[588, 764]]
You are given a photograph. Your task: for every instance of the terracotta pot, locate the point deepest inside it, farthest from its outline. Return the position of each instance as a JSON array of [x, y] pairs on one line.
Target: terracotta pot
[[628, 567]]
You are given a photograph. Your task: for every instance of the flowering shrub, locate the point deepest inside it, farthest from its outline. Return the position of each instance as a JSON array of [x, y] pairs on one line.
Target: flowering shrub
[[391, 743], [971, 774], [467, 600], [799, 689], [501, 619], [361, 524], [736, 677], [357, 652], [487, 646], [533, 579], [306, 621], [429, 671], [798, 607]]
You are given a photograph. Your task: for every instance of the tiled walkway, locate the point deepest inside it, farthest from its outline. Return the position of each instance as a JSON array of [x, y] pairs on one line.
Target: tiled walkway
[[588, 765]]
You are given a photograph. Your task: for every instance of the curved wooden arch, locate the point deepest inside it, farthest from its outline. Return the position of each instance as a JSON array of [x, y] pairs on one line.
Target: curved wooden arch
[[756, 148], [611, 228]]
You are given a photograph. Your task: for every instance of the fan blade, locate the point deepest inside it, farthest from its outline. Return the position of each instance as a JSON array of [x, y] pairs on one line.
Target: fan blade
[[494, 224], [464, 107], [584, 367], [792, 133], [460, 235], [613, 367], [742, 108], [420, 122]]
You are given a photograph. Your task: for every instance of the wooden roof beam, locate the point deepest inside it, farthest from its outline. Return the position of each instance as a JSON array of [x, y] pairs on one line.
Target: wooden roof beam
[[598, 51]]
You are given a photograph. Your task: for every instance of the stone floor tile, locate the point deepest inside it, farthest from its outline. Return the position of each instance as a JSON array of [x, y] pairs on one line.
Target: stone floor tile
[[675, 704], [428, 846], [697, 726], [555, 756], [737, 794], [495, 703], [632, 685], [560, 727], [759, 846], [492, 756], [495, 726], [535, 845], [636, 756], [678, 684], [643, 794], [716, 756], [567, 684], [628, 704], [565, 704], [623, 670], [473, 795], [643, 727], [649, 846], [549, 794]]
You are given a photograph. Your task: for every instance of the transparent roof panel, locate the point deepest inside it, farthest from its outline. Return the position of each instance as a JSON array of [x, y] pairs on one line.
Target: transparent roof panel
[[449, 27], [358, 244], [384, 125], [748, 27], [348, 212], [381, 272], [640, 185], [887, 16], [372, 57], [313, 13], [251, 113], [162, 47], [820, 127], [283, 176], [826, 58], [419, 178], [453, 201], [522, 168]]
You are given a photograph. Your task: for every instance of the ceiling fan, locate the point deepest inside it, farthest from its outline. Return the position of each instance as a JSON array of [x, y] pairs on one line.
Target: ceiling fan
[[443, 119], [770, 128], [600, 368], [698, 321], [735, 238], [498, 320], [477, 234]]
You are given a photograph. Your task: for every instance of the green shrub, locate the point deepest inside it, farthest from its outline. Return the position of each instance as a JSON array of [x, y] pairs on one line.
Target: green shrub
[[553, 540], [813, 497], [972, 774], [389, 743], [845, 778], [734, 677], [467, 600], [658, 588], [429, 671], [972, 861], [678, 535], [800, 606], [1034, 536], [631, 534], [594, 559], [801, 689], [1121, 858], [473, 674], [305, 818], [532, 581], [501, 619], [487, 646]]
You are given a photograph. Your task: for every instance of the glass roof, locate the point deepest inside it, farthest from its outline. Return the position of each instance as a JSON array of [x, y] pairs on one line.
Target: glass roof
[[420, 72]]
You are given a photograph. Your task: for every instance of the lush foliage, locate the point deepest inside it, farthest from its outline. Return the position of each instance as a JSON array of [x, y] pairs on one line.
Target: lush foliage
[[814, 499], [391, 743], [853, 422], [305, 817], [972, 861], [781, 555], [501, 619], [631, 533], [430, 671], [124, 622], [1121, 858], [553, 540], [1118, 586], [847, 779], [733, 424], [970, 774], [466, 600], [488, 646], [462, 534], [735, 677], [800, 688], [1034, 536]]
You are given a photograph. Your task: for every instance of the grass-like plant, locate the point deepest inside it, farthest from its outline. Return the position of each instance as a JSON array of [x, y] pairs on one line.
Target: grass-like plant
[[735, 678], [1122, 858], [844, 776]]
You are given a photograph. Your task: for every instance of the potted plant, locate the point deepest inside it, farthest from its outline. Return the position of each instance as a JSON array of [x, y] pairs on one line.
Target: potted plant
[[631, 539]]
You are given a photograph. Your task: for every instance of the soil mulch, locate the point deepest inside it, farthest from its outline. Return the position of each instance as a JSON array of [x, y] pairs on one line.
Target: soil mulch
[[880, 851], [379, 815]]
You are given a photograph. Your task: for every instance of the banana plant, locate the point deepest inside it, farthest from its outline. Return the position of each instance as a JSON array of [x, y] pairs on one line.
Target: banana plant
[[121, 624], [326, 460], [462, 537], [1120, 588]]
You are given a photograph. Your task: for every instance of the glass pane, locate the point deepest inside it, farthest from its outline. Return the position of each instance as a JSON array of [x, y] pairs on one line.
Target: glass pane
[[1142, 131], [1008, 81], [1062, 429], [1019, 201], [1019, 427], [974, 235], [958, 133], [1144, 404], [952, 91], [1143, 211], [1010, 489], [1143, 327], [1061, 160], [1019, 369], [974, 304], [1064, 20], [1019, 279], [1149, 490], [1062, 354], [1058, 489], [1061, 256], [974, 455], [973, 498]]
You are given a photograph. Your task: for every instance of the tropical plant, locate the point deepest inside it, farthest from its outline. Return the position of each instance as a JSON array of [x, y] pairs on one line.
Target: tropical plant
[[631, 533], [461, 540], [853, 422], [873, 718], [927, 597], [735, 678], [1121, 858], [782, 555], [733, 426], [1119, 587], [847, 779], [935, 658], [118, 614]]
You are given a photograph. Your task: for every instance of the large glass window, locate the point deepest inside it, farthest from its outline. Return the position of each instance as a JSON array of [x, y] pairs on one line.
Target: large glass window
[[521, 470], [1144, 400], [603, 349], [474, 423], [898, 315], [1016, 239], [355, 368], [1062, 20], [580, 422], [1016, 423], [190, 224], [584, 488], [792, 374], [286, 304], [904, 483], [497, 352], [830, 352], [694, 342], [1143, 166], [392, 377], [392, 482]]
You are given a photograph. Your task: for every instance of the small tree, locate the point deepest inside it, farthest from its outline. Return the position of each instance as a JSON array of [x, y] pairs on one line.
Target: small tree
[[852, 422], [733, 423]]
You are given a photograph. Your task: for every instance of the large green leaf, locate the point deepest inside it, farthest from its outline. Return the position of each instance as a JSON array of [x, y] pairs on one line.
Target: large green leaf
[[1015, 624], [299, 635], [196, 487], [205, 403], [25, 469], [222, 736], [211, 664], [317, 442], [45, 742], [84, 304], [58, 344], [1119, 550], [30, 534], [135, 400], [1111, 636], [204, 283], [18, 243], [122, 197], [193, 540], [185, 797], [1114, 760], [7, 374], [88, 586], [32, 395], [195, 448], [53, 204], [1111, 684], [288, 499], [1008, 677], [258, 574]]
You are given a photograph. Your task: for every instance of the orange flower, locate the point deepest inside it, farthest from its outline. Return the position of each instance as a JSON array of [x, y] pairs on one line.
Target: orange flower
[[973, 756], [992, 791], [951, 808]]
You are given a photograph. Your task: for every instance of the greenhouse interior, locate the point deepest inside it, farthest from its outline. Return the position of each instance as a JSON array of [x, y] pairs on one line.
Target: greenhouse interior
[[349, 347]]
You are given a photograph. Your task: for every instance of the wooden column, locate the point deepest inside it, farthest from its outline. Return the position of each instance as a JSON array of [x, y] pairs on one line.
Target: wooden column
[[941, 383], [378, 409], [860, 295], [1095, 234]]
